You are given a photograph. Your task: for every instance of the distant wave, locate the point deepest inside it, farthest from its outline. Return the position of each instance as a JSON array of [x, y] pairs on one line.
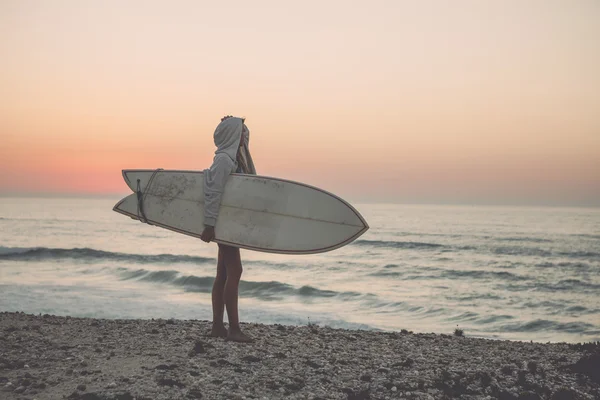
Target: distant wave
[[587, 236], [579, 266], [522, 251], [396, 245], [574, 285], [203, 284], [537, 252], [524, 239], [44, 253], [412, 273], [479, 274], [540, 325]]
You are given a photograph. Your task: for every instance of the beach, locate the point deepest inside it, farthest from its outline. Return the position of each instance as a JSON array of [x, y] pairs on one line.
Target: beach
[[53, 357]]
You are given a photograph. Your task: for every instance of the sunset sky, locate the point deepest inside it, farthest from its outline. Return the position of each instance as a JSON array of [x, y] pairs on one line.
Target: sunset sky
[[476, 102]]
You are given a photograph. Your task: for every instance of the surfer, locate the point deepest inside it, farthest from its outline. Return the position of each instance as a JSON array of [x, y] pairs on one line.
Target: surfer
[[232, 155]]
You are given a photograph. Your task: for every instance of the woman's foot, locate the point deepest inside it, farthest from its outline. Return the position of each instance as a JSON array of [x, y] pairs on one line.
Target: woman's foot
[[238, 336], [219, 331]]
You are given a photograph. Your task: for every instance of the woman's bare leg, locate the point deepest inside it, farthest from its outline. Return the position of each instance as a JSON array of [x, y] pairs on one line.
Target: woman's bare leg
[[233, 267], [218, 303]]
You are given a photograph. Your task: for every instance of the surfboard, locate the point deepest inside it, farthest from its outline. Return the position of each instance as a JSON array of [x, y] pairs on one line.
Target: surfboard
[[257, 212]]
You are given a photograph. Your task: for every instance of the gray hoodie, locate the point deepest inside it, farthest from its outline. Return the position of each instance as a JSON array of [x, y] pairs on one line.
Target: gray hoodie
[[227, 138]]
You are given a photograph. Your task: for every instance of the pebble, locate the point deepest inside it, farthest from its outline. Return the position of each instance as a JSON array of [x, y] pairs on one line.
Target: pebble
[[284, 362]]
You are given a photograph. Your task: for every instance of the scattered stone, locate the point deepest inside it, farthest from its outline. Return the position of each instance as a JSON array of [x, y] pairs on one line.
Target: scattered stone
[[199, 348], [564, 394], [169, 382], [194, 393], [588, 364], [313, 364], [288, 362], [165, 367]]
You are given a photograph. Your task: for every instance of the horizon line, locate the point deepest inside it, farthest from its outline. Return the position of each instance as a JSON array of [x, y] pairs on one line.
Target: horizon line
[[474, 203]]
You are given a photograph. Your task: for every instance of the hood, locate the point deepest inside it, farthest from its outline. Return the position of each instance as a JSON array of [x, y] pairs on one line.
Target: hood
[[227, 137]]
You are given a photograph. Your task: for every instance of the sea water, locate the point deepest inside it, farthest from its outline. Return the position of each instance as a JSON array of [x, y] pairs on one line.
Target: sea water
[[516, 273]]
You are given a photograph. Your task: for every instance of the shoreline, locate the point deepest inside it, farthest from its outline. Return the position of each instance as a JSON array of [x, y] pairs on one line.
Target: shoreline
[[53, 357]]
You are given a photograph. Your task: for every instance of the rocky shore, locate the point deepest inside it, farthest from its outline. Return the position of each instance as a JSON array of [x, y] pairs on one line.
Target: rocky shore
[[50, 357]]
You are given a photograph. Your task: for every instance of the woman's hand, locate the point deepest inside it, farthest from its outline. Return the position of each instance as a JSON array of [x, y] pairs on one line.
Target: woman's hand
[[208, 234]]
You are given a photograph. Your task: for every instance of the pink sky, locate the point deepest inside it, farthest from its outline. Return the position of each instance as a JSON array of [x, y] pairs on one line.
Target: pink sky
[[400, 101]]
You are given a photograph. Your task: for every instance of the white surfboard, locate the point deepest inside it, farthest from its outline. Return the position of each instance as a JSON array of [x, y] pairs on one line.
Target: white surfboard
[[257, 212]]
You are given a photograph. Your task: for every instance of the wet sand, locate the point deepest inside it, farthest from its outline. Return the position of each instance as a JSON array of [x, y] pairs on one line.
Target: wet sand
[[50, 357]]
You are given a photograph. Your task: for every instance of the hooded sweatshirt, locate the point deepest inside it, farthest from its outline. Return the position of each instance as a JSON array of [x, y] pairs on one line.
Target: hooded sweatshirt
[[227, 138]]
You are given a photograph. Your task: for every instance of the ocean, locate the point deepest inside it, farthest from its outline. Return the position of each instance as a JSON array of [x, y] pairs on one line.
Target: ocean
[[518, 273]]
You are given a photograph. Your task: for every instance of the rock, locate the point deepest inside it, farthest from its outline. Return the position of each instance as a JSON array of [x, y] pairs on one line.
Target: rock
[[81, 387], [564, 394], [169, 382], [422, 396], [529, 396], [360, 395], [588, 365], [366, 378], [507, 369], [165, 367], [20, 389], [112, 385], [194, 393], [199, 348], [69, 371], [294, 386], [506, 395], [251, 358]]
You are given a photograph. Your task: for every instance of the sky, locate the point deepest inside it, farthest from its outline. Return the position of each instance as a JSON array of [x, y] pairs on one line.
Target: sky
[[466, 101]]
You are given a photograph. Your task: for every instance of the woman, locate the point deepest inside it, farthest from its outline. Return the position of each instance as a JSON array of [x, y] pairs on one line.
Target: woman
[[232, 139]]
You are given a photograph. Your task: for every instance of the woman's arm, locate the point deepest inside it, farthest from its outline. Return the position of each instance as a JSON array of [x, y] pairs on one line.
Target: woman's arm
[[215, 179]]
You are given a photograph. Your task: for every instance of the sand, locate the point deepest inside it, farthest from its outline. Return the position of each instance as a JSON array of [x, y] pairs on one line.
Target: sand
[[50, 357]]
